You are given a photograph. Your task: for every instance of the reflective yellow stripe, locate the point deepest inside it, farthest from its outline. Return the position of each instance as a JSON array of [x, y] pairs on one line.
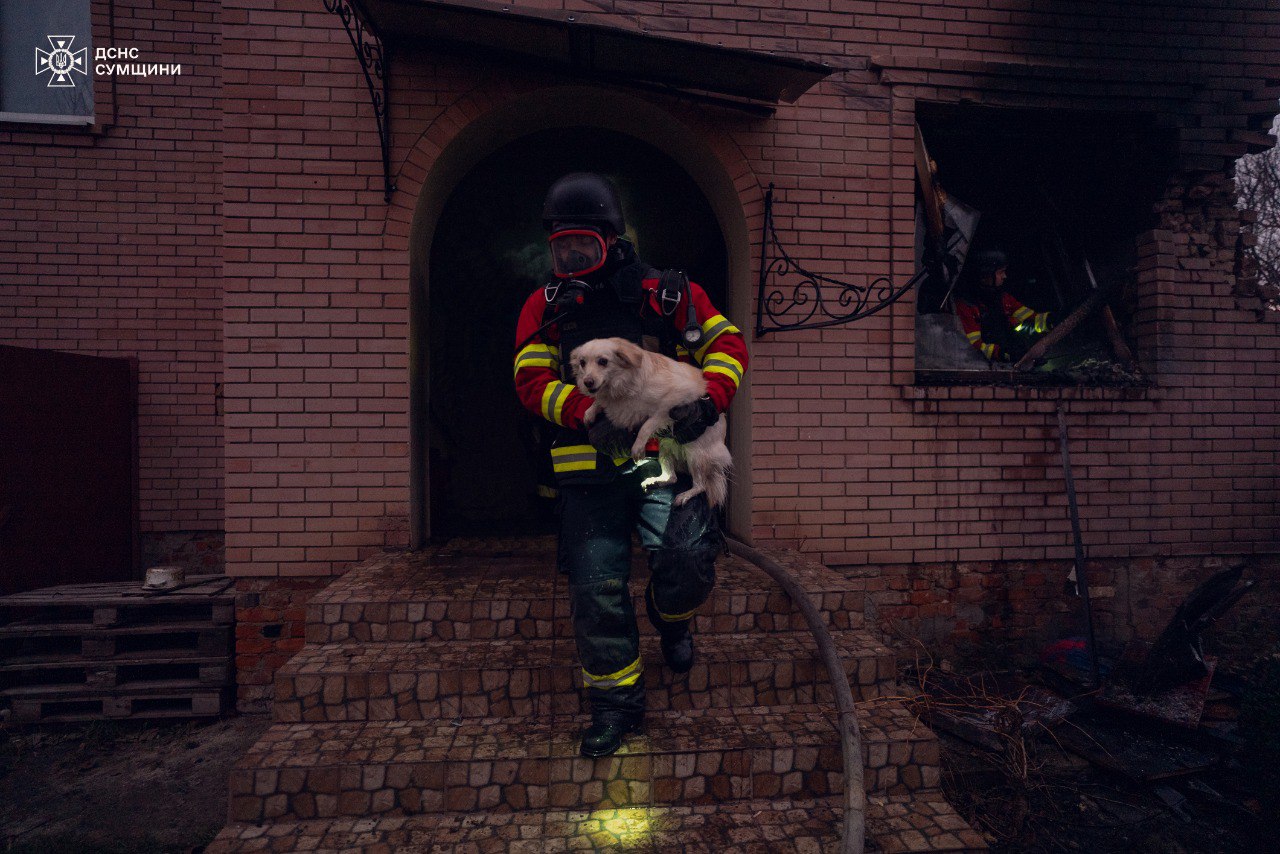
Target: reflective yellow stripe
[[532, 361], [670, 618], [988, 350], [547, 492], [569, 450], [538, 355], [1042, 321], [1021, 314], [536, 363], [628, 675], [573, 458], [712, 329], [974, 336], [553, 398], [723, 363]]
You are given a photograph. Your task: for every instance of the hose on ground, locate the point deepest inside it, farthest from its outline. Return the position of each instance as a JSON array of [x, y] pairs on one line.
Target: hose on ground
[[853, 838]]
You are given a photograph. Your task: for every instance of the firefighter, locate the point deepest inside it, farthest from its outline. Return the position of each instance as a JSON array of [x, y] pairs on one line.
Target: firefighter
[[602, 289], [994, 321]]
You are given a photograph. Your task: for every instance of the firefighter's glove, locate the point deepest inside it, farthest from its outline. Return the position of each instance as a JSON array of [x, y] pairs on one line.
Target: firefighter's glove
[[610, 439], [690, 420]]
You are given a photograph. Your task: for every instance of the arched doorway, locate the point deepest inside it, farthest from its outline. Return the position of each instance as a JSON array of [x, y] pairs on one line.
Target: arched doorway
[[488, 252]]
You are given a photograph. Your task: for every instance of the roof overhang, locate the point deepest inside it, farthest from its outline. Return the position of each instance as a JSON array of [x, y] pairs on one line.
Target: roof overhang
[[568, 43]]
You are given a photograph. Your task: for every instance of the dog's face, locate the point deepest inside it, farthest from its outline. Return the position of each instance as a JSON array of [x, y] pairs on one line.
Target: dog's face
[[598, 364]]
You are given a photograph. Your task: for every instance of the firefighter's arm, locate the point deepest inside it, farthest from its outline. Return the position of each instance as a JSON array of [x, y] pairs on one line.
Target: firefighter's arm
[[1024, 318], [722, 355], [537, 372], [968, 315]]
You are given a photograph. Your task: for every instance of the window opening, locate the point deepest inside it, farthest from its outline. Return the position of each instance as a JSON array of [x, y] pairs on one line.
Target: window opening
[[1258, 186], [46, 62], [1048, 205]]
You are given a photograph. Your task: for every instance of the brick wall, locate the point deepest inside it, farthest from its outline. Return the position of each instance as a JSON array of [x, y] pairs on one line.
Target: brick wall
[[110, 245], [851, 461], [271, 620], [316, 305]]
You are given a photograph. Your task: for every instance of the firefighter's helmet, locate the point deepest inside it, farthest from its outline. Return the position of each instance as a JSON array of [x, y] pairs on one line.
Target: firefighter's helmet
[[582, 213], [988, 261], [583, 199]]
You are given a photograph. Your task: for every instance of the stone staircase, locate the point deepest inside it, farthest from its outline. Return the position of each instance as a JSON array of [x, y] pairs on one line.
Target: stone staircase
[[436, 707]]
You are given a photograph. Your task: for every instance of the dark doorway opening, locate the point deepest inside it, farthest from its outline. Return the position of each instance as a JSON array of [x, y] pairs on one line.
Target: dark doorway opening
[[488, 254]]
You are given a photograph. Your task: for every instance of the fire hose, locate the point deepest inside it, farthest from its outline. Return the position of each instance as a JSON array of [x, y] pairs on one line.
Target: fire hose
[[853, 837]]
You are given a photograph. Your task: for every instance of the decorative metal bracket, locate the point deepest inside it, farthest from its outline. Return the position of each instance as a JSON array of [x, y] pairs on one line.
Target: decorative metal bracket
[[373, 62], [815, 300]]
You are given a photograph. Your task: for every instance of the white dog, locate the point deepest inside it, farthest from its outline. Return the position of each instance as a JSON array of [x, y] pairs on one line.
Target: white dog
[[637, 388]]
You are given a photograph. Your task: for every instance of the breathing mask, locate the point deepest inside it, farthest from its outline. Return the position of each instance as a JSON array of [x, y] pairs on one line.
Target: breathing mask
[[577, 251]]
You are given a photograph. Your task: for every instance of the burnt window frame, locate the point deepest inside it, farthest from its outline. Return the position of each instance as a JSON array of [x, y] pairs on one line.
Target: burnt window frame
[[1026, 123], [1019, 83]]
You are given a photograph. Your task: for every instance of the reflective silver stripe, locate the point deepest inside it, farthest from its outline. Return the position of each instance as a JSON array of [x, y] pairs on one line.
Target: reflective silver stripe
[[553, 402], [710, 335], [562, 463], [535, 357], [628, 675], [712, 361], [717, 329]]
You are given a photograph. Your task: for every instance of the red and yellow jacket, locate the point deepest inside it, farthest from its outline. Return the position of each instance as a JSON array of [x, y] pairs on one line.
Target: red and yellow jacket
[[1016, 314], [722, 356]]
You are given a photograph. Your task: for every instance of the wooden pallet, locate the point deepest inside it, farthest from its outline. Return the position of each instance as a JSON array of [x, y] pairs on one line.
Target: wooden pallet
[[78, 674], [116, 651], [39, 644], [130, 705], [206, 599]]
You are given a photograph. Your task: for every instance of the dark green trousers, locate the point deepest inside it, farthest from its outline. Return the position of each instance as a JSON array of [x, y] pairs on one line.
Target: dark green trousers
[[595, 552]]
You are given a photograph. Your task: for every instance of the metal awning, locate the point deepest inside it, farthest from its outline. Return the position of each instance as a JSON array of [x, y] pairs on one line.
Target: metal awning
[[569, 42]]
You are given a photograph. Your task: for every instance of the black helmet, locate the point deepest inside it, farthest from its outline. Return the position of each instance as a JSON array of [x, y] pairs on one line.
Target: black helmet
[[986, 262], [584, 198]]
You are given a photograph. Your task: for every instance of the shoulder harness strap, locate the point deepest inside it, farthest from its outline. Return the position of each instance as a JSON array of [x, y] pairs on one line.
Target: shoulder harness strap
[[672, 284]]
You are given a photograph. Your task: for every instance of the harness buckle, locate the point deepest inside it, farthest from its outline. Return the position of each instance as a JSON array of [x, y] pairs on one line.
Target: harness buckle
[[669, 288], [551, 290]]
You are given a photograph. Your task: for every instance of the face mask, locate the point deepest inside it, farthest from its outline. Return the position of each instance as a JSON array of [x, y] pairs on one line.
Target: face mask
[[577, 252]]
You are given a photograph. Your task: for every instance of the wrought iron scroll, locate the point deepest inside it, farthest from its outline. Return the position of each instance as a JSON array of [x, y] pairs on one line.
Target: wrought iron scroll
[[815, 300], [373, 62]]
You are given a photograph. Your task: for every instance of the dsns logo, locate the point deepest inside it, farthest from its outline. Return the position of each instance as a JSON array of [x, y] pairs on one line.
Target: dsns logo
[[61, 61]]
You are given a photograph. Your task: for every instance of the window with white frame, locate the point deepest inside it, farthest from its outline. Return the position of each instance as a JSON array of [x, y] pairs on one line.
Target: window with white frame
[[46, 62]]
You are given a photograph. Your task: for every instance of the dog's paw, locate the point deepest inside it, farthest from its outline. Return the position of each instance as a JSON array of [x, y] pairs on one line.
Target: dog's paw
[[658, 480], [593, 412]]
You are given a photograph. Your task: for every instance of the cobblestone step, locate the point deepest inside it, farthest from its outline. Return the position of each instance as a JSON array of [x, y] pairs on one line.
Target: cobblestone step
[[451, 595], [304, 771], [502, 677], [924, 822]]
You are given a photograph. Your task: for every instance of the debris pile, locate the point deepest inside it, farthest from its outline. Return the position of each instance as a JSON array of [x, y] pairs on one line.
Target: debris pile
[[1168, 753]]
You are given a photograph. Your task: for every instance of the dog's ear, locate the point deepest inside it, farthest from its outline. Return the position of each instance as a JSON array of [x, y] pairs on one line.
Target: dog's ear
[[625, 354]]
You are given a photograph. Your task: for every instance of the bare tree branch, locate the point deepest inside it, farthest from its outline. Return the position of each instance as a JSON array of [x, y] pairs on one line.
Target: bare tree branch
[[1258, 188]]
